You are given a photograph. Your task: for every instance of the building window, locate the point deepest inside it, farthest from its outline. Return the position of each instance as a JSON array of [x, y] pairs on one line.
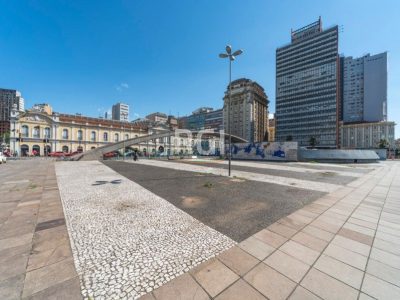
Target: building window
[[93, 136], [36, 132], [126, 136], [47, 133], [80, 135], [25, 131], [65, 134], [65, 149], [105, 136], [116, 137]]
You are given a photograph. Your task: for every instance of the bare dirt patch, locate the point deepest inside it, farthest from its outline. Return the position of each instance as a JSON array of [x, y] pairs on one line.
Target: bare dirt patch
[[194, 202]]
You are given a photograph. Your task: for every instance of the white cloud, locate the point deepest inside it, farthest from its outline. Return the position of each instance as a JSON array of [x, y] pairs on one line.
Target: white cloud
[[122, 86]]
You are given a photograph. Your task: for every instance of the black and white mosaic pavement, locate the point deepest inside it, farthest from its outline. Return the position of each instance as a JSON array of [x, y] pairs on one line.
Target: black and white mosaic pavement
[[126, 240]]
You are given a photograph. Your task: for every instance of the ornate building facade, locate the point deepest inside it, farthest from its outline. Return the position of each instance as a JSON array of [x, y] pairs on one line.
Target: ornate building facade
[[248, 110], [39, 131]]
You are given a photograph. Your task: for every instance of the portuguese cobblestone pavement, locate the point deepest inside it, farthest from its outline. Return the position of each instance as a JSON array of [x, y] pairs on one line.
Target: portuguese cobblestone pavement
[[126, 240]]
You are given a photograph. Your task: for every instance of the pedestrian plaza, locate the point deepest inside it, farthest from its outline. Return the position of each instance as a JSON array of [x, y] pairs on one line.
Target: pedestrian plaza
[[183, 229]]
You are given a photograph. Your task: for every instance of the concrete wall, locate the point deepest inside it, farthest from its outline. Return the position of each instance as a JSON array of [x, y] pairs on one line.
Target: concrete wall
[[336, 155], [284, 151], [382, 153]]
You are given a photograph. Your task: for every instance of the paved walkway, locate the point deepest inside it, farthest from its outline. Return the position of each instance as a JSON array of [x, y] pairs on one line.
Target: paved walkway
[[343, 246], [35, 255]]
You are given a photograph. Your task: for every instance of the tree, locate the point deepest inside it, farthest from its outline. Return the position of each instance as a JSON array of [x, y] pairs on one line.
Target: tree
[[5, 138], [313, 141], [289, 138], [383, 144]]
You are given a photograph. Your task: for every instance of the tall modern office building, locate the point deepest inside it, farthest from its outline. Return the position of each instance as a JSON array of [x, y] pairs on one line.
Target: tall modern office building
[[120, 112], [247, 111], [9, 98], [365, 88], [307, 86]]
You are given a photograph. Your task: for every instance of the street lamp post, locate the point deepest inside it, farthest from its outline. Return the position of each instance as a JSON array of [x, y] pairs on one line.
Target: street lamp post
[[123, 138], [231, 57]]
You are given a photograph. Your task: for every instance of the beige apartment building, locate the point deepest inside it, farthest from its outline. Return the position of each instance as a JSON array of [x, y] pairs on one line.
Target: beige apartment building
[[39, 131], [271, 129], [248, 110]]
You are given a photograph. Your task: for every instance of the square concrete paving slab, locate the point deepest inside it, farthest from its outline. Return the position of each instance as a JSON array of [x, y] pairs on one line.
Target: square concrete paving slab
[[13, 261], [327, 287], [11, 288], [238, 260], [16, 241], [349, 257], [256, 247], [287, 265], [332, 228], [271, 238], [340, 271], [384, 272], [43, 278], [385, 257], [356, 236], [240, 290], [301, 293], [360, 229], [269, 282], [310, 241], [365, 297], [318, 233], [380, 289], [302, 253], [214, 276], [183, 287], [352, 245], [67, 290], [282, 230]]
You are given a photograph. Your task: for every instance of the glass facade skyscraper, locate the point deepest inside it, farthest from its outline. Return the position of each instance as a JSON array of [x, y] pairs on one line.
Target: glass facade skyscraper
[[307, 87]]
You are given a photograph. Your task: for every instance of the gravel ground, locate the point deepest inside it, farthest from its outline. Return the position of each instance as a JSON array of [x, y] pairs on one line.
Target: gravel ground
[[126, 240], [235, 207]]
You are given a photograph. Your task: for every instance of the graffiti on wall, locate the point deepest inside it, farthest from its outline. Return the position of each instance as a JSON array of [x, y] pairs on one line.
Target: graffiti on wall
[[286, 151]]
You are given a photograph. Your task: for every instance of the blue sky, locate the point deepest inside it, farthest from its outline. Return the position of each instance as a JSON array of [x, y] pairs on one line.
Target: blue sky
[[83, 56]]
